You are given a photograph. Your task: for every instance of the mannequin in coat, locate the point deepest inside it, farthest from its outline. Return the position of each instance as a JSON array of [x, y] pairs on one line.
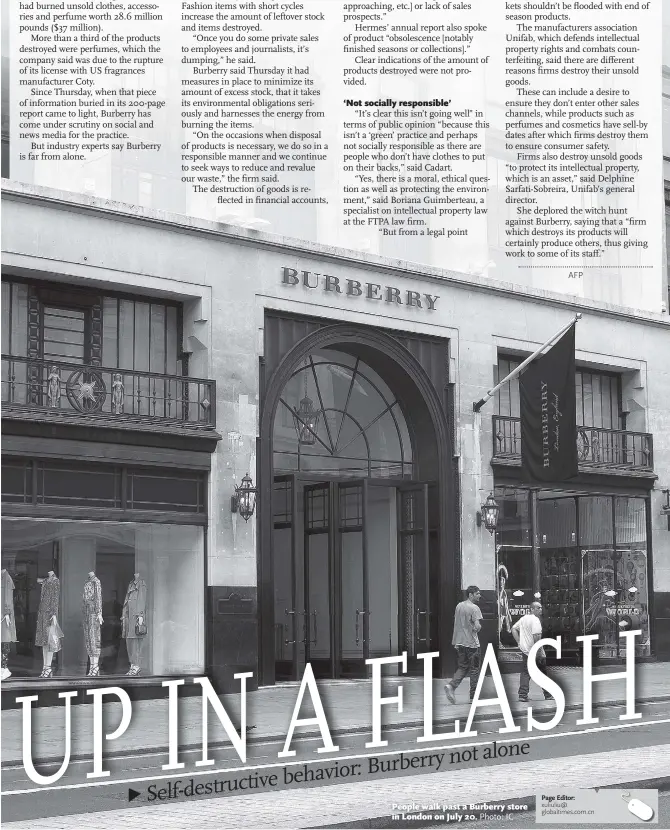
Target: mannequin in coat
[[134, 616], [91, 618], [46, 615], [8, 622]]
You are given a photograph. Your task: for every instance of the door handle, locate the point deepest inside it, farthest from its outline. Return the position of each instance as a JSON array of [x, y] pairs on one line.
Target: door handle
[[316, 632], [288, 614], [359, 614], [418, 628], [304, 627]]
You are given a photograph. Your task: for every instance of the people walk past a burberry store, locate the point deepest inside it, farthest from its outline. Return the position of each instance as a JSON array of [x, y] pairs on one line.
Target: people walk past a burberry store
[[467, 624], [527, 630]]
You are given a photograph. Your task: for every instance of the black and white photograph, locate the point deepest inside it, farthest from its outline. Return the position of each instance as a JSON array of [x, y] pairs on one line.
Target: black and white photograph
[[335, 414]]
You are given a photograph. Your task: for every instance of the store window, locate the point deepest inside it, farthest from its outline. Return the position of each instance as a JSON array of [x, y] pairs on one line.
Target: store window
[[588, 567], [614, 572], [559, 567], [85, 484], [514, 561], [62, 324], [598, 396], [118, 598]]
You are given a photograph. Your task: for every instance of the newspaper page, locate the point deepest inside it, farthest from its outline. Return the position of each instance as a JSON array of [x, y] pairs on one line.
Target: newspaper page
[[335, 413]]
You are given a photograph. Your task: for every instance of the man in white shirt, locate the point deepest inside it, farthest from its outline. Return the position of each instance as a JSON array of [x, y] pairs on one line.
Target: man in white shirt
[[527, 631]]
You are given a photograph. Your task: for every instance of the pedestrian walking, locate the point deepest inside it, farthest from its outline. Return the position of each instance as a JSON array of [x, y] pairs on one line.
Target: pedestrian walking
[[527, 631], [467, 624]]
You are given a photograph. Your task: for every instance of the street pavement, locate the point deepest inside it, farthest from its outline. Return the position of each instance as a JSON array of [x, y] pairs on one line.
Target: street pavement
[[325, 806], [569, 748], [269, 709]]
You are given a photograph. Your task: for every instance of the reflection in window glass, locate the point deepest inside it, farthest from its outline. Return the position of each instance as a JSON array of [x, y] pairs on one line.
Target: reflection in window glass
[[514, 566], [595, 521], [557, 522], [165, 563], [597, 395], [587, 586]]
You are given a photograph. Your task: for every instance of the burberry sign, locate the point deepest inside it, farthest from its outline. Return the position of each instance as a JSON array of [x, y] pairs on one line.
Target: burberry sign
[[356, 288]]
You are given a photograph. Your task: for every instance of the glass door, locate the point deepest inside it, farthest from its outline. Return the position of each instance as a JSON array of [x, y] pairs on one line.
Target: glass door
[[288, 599], [414, 616], [317, 571], [353, 647], [321, 577], [560, 587]]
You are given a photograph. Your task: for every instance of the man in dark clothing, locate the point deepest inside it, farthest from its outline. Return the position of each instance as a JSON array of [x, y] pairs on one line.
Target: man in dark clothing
[[467, 624]]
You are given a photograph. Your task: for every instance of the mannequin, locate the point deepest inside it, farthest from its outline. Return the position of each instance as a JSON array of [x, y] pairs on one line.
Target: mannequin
[[133, 617], [8, 623], [91, 616], [46, 615]]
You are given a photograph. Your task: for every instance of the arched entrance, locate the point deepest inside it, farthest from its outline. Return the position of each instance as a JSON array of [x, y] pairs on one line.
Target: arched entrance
[[356, 467]]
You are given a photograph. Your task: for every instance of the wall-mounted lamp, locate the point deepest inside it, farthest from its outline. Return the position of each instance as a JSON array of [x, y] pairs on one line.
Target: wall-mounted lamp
[[488, 514], [243, 501]]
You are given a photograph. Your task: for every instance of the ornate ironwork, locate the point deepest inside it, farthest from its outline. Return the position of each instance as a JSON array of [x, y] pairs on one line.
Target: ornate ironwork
[[29, 383], [34, 347], [583, 445], [95, 339], [118, 394], [597, 447], [86, 390], [53, 388]]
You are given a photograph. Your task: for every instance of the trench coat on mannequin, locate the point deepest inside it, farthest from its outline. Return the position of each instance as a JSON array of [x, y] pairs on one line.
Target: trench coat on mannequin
[[134, 606], [8, 628]]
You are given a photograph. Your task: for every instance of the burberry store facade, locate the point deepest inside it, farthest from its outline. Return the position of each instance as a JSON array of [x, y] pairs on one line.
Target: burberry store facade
[[583, 549], [155, 366]]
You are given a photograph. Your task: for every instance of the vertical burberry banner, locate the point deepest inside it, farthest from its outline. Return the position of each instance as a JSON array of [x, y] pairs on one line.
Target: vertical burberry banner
[[548, 414]]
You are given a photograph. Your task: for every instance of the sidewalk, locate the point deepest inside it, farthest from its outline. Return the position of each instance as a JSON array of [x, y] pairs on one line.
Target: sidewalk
[[347, 705]]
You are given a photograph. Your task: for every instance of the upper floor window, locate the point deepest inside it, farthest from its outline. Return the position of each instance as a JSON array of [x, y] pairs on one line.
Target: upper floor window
[[64, 324], [598, 396]]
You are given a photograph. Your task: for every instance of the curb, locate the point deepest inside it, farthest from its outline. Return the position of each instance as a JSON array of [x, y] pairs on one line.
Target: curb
[[354, 730]]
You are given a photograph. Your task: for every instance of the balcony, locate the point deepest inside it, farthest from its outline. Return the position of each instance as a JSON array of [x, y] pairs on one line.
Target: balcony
[[614, 451], [76, 394]]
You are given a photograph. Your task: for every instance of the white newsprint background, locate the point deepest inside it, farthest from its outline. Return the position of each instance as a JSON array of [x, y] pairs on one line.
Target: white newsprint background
[[517, 140]]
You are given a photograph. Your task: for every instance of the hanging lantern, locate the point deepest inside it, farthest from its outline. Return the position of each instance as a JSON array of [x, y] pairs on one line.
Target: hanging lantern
[[489, 514], [244, 500], [306, 421], [306, 418]]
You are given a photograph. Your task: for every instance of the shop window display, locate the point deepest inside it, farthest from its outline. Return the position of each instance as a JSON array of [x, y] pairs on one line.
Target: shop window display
[[101, 598], [514, 563], [615, 591], [559, 568], [588, 567], [559, 587]]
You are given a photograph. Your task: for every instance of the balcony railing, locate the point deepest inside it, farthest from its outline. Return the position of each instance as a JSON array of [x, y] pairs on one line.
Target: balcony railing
[[614, 449], [71, 389]]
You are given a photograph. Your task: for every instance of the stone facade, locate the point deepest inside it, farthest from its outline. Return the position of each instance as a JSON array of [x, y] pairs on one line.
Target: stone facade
[[227, 279]]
